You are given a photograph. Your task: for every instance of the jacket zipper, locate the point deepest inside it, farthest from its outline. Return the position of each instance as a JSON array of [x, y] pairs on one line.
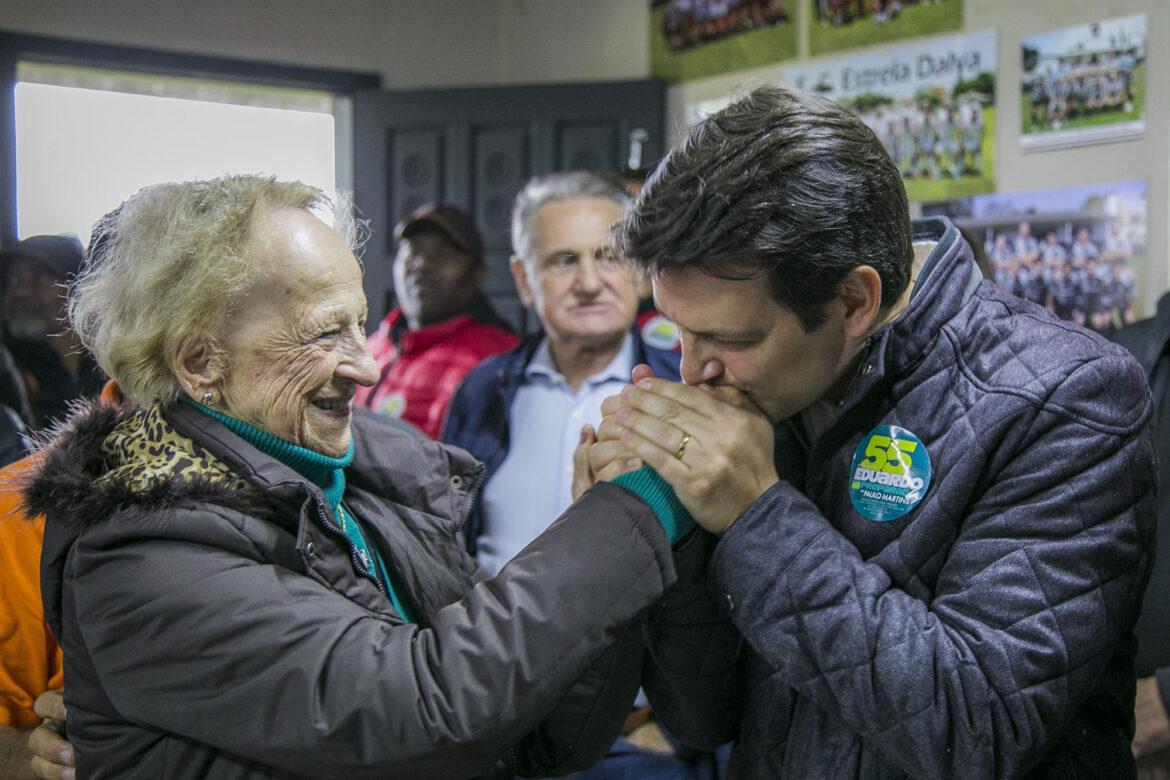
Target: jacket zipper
[[353, 556], [472, 495]]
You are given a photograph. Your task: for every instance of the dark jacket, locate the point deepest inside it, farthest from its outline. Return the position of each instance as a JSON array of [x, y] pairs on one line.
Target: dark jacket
[[480, 415], [217, 628], [12, 430], [15, 414], [52, 386], [988, 632], [13, 393], [1149, 341]]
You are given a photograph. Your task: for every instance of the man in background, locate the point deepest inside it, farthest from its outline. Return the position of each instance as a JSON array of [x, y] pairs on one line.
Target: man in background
[[441, 328], [55, 369], [521, 413]]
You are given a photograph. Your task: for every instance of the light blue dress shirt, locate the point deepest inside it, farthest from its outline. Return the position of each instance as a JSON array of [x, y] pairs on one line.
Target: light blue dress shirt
[[534, 483]]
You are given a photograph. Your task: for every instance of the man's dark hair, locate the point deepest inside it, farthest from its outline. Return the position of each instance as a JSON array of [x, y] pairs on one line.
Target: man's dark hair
[[780, 183]]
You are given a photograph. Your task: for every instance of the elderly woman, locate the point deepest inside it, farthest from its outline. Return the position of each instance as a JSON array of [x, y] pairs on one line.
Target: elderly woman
[[250, 581]]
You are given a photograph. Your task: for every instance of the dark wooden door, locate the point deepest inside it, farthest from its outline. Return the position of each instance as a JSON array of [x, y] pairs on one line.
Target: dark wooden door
[[476, 148]]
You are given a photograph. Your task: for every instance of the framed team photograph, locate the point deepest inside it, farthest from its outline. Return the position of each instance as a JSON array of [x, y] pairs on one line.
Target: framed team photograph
[[931, 103], [1080, 252], [691, 39], [1084, 84], [848, 24]]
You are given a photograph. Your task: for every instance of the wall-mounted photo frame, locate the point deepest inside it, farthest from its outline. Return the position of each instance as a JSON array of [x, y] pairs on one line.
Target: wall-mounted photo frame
[[691, 39], [836, 25], [932, 104], [1080, 252], [1084, 84]]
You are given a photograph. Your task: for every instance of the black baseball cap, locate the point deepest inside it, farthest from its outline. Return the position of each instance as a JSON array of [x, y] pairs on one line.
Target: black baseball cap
[[60, 256], [455, 223]]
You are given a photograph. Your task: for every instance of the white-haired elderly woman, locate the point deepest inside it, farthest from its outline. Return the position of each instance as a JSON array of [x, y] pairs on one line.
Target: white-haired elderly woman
[[250, 581]]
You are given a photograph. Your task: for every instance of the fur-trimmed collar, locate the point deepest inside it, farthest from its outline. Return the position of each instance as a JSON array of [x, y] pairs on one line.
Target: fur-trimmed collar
[[86, 469]]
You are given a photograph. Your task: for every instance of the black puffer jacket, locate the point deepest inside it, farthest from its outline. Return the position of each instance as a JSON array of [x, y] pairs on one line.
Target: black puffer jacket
[[213, 624]]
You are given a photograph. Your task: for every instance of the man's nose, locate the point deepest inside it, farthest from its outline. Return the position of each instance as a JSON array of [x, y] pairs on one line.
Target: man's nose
[[586, 278], [696, 368]]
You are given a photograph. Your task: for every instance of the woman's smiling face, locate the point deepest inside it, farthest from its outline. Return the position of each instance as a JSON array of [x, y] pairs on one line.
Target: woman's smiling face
[[296, 345]]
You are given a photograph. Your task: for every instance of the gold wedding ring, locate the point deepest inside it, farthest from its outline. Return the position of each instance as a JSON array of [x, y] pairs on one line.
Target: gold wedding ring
[[682, 447]]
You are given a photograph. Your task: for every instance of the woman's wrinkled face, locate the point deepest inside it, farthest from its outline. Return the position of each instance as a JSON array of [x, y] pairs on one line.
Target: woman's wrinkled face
[[296, 346]]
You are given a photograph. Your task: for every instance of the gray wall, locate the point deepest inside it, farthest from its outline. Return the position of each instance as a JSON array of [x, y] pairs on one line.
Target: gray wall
[[435, 43], [1147, 158]]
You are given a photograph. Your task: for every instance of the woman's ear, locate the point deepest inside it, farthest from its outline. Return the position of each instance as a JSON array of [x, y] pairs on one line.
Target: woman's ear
[[197, 369]]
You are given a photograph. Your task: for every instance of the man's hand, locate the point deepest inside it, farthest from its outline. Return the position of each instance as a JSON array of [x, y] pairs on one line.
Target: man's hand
[[712, 444], [52, 754], [583, 477]]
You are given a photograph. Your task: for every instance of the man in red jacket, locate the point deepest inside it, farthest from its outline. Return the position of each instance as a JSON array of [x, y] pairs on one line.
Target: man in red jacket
[[442, 327]]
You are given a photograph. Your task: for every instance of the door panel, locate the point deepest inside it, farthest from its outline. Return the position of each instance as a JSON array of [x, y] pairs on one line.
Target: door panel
[[591, 146], [417, 165], [476, 148]]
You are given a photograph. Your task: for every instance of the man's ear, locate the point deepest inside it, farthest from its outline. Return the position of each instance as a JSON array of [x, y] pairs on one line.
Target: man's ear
[[520, 275], [196, 367], [861, 300]]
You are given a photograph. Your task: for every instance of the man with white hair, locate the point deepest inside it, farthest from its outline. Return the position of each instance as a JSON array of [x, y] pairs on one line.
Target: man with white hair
[[521, 413]]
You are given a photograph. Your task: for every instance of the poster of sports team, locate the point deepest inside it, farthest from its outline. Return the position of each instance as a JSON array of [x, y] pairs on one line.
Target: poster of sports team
[[932, 104], [691, 39], [1079, 251], [1084, 84]]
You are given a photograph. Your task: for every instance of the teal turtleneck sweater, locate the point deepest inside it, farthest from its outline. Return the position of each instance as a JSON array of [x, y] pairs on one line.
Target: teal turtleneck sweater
[[329, 475]]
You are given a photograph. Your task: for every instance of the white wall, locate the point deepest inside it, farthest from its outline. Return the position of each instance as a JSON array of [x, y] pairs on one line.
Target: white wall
[[440, 43]]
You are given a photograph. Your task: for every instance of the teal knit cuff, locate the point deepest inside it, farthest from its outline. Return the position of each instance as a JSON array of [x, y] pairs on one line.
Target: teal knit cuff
[[655, 491]]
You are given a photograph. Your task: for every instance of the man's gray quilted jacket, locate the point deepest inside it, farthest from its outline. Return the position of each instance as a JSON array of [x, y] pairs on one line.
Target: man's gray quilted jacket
[[986, 633]]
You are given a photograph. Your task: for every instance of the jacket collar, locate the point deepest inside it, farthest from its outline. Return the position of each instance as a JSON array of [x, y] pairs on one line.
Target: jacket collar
[[387, 462], [510, 371], [411, 342], [617, 369], [430, 484], [946, 282]]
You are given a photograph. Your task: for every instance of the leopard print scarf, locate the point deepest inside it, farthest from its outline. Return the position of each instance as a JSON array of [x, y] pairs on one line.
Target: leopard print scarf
[[144, 450]]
